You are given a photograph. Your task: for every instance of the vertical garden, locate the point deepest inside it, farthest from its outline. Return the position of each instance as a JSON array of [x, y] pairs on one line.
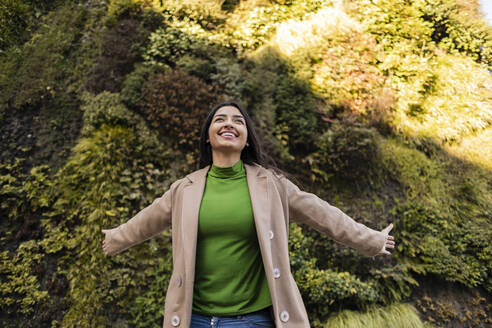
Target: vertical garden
[[383, 108]]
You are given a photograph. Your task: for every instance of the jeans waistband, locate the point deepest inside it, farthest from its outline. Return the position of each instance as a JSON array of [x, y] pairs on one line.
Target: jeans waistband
[[266, 311]]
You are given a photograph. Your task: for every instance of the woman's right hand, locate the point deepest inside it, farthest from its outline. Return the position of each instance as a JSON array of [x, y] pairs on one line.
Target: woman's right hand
[[104, 245]]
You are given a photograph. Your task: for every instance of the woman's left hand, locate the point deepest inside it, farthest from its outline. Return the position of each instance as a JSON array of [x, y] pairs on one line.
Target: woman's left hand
[[390, 242]]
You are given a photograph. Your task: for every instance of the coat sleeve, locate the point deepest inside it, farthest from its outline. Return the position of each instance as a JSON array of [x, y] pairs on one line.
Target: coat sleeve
[[309, 209], [147, 223]]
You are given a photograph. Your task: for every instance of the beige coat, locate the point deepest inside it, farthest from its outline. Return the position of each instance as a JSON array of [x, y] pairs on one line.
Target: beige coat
[[275, 200]]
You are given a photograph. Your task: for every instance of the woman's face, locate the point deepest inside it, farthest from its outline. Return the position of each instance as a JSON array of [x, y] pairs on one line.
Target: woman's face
[[227, 131]]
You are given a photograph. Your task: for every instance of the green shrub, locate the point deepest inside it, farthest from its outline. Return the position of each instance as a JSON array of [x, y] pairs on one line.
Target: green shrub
[[22, 198], [148, 308], [296, 118], [14, 19], [19, 18], [176, 103], [324, 290], [457, 30], [105, 108], [121, 47], [208, 14], [112, 186], [416, 173], [230, 77], [345, 73], [179, 38], [445, 245], [348, 150], [199, 67], [41, 68], [446, 100], [19, 288], [251, 25], [131, 91]]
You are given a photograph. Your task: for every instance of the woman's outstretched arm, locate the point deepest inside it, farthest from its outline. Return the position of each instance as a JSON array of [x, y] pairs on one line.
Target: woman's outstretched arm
[[145, 224], [307, 208]]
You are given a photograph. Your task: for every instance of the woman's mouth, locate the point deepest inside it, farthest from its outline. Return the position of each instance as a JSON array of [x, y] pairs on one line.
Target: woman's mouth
[[228, 135]]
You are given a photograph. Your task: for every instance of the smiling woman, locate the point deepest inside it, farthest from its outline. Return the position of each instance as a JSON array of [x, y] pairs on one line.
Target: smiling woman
[[230, 222]]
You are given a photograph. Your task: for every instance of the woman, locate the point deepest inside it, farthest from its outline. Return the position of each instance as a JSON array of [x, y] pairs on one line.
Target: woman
[[230, 224]]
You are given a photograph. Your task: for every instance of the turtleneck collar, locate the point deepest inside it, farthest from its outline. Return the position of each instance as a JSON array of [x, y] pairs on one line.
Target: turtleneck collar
[[230, 172]]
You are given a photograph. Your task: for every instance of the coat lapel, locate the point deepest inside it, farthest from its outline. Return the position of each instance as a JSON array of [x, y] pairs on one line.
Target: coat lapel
[[192, 198], [260, 200]]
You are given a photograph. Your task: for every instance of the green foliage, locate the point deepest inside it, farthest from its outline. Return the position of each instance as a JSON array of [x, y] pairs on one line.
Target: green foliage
[[120, 10], [296, 119], [417, 174], [148, 308], [131, 91], [22, 196], [250, 26], [348, 150], [443, 244], [168, 44], [39, 71], [324, 290], [434, 225], [394, 316], [20, 289], [208, 13], [170, 107], [14, 18], [111, 183], [446, 100], [125, 35], [395, 23], [202, 68], [19, 18], [229, 76], [424, 24], [458, 31], [345, 73], [105, 108], [310, 74], [431, 85], [19, 286]]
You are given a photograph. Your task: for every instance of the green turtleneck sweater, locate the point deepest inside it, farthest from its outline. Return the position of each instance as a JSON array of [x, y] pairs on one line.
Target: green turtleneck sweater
[[229, 274]]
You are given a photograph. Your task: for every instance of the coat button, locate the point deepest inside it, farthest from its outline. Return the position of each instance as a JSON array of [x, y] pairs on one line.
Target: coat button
[[180, 281], [175, 320], [284, 316], [276, 273], [270, 234]]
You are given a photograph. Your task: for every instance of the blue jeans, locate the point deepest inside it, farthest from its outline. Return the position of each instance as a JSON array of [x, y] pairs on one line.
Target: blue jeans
[[258, 319]]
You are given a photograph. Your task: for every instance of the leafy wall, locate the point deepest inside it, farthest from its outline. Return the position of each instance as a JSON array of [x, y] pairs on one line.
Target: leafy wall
[[383, 108]]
